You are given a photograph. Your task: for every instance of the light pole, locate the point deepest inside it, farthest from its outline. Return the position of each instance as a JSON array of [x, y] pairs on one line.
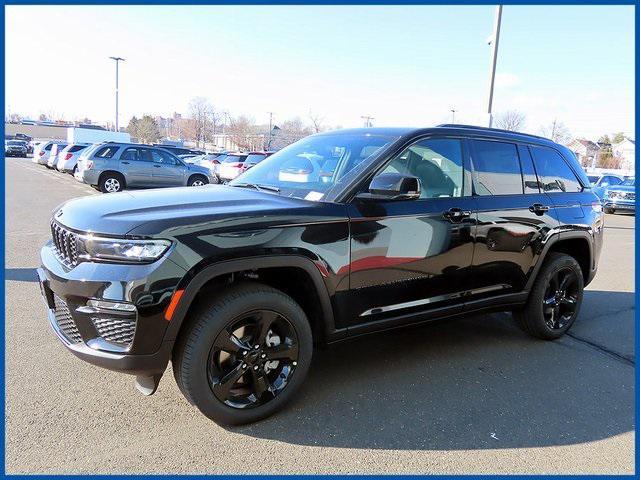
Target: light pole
[[270, 130], [494, 39], [453, 115], [118, 60]]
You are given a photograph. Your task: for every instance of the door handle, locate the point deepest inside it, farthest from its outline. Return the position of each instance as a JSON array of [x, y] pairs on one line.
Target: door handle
[[456, 214], [157, 166], [125, 163], [539, 209]]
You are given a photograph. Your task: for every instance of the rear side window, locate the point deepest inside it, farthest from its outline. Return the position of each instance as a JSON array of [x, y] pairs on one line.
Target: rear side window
[[496, 168], [554, 174], [76, 148], [106, 152]]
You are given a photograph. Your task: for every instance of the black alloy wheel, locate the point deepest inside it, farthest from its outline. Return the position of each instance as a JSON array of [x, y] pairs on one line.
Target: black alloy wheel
[[555, 298], [560, 299], [244, 353], [253, 359]]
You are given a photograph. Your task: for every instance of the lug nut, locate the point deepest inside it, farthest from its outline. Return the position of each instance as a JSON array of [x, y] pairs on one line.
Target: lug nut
[[255, 367], [244, 365], [295, 363], [244, 353], [264, 355], [256, 346]]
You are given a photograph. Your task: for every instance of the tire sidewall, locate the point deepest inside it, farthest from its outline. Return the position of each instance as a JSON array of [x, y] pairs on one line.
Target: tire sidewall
[[559, 263], [106, 177], [193, 178], [195, 378]]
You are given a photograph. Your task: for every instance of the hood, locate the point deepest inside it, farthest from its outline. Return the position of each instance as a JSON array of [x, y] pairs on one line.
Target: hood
[[167, 211]]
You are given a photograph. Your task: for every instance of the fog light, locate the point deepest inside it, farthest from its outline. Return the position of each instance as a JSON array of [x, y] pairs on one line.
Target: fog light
[[106, 305]]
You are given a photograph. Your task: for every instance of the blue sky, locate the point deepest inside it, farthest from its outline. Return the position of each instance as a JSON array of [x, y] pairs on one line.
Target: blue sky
[[405, 65]]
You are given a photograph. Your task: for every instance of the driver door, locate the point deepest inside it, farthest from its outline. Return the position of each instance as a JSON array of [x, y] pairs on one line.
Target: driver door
[[412, 257]]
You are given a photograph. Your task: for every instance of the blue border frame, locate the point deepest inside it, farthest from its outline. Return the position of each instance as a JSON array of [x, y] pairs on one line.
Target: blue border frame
[[307, 2]]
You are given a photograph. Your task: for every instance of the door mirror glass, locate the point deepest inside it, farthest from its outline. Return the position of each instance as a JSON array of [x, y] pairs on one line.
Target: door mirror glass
[[392, 186]]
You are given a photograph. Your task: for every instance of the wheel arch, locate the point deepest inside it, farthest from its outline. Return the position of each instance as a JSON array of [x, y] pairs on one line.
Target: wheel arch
[[112, 172], [577, 244], [308, 275]]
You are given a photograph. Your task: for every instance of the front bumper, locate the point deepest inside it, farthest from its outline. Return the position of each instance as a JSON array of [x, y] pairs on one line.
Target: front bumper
[[130, 342], [619, 204]]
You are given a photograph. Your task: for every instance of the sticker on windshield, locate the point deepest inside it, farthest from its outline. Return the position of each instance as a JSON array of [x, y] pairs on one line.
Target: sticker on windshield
[[314, 196]]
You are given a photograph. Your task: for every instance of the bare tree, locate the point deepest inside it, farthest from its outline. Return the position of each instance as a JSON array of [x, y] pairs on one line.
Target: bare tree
[[511, 120], [289, 132], [316, 122], [205, 119], [241, 131], [556, 131]]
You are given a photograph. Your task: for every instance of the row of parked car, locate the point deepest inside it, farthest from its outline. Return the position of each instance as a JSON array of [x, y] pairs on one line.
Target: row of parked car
[[616, 192], [113, 166]]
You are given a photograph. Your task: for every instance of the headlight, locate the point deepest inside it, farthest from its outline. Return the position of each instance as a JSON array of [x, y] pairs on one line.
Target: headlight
[[121, 249], [611, 194]]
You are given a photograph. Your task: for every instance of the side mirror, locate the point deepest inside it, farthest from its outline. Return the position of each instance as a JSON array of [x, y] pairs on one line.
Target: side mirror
[[392, 186]]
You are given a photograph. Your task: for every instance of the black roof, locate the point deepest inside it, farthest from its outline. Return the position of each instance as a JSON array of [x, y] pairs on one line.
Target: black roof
[[445, 127]]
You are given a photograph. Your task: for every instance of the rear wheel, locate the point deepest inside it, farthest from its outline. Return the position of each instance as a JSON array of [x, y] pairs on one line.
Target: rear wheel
[[554, 301], [111, 183], [244, 355]]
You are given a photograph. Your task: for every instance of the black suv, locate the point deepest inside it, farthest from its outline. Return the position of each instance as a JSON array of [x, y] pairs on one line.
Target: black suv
[[340, 234]]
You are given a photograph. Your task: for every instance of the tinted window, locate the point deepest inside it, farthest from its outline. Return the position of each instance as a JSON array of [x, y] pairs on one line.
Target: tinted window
[[497, 168], [553, 172], [234, 159], [593, 179], [77, 148], [436, 162], [610, 180], [159, 156], [256, 157], [106, 152]]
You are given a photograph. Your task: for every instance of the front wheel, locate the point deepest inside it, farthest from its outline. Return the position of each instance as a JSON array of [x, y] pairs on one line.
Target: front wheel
[[197, 181], [244, 355], [555, 299], [609, 210]]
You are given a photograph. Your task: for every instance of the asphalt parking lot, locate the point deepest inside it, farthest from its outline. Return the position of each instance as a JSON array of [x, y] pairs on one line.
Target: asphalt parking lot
[[470, 396]]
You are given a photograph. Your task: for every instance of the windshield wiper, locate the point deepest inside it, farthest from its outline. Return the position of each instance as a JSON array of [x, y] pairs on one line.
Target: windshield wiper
[[257, 186]]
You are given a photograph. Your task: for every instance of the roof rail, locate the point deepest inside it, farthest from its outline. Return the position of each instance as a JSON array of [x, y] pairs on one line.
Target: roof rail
[[487, 129]]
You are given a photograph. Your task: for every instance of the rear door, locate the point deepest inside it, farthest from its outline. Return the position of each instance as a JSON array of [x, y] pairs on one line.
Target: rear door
[[561, 185], [137, 166], [167, 170], [514, 217]]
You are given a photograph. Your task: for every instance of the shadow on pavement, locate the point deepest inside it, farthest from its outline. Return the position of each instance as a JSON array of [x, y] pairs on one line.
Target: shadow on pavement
[[474, 383], [21, 274]]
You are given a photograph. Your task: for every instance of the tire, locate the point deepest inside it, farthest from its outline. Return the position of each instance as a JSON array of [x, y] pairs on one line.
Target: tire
[[197, 181], [111, 182], [609, 210], [548, 314], [195, 359], [75, 169]]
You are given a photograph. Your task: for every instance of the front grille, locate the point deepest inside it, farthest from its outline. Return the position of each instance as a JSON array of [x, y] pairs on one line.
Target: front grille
[[65, 321], [115, 330], [66, 244], [630, 196]]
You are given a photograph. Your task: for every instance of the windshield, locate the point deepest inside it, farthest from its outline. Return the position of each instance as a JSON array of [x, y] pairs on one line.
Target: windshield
[[310, 167], [255, 157], [629, 182], [233, 159], [16, 143]]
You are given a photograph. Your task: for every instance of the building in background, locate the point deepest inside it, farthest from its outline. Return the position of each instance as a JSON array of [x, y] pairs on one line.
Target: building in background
[[586, 151], [626, 150]]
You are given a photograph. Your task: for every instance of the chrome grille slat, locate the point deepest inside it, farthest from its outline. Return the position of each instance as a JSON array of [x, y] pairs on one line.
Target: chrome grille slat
[[65, 321], [65, 243]]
